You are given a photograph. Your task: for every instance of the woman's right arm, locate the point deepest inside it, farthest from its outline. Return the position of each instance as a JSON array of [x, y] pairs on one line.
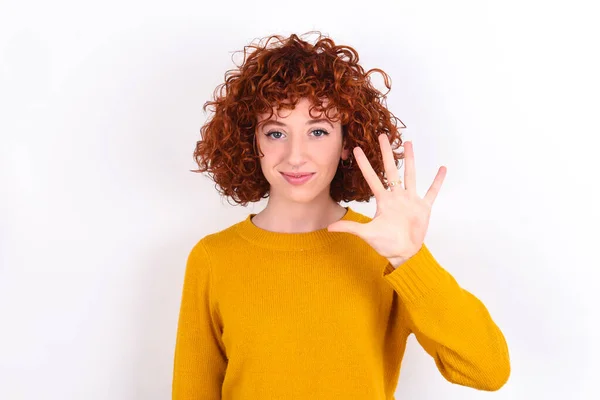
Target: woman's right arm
[[199, 360]]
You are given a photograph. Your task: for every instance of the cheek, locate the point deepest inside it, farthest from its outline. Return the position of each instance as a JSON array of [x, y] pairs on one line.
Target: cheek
[[269, 163], [264, 151], [326, 155], [269, 157]]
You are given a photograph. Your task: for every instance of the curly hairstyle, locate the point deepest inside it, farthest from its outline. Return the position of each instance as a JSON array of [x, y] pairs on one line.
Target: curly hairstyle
[[278, 75]]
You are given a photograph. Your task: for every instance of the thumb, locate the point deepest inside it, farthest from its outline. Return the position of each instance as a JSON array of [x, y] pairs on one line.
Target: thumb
[[345, 226]]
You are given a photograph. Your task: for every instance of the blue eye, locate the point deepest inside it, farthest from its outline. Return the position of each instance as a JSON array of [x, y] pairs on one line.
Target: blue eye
[[325, 133], [270, 134]]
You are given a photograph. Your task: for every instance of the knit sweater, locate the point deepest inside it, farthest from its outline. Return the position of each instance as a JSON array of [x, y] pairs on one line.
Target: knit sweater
[[321, 315]]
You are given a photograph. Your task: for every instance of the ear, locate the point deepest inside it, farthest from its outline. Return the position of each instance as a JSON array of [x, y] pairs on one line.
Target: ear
[[345, 153]]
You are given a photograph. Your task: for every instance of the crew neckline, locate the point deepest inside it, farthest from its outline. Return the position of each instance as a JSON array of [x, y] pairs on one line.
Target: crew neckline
[[291, 241]]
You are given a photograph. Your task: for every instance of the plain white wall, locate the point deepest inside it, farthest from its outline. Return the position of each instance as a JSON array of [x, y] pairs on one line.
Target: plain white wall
[[100, 112]]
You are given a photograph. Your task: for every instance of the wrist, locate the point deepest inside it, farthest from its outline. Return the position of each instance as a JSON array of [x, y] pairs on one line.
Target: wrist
[[397, 261]]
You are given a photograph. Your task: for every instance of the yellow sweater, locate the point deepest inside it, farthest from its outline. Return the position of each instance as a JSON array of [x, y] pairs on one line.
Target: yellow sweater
[[321, 315]]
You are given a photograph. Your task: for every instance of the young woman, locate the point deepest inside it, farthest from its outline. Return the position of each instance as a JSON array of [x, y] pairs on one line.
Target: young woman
[[308, 299]]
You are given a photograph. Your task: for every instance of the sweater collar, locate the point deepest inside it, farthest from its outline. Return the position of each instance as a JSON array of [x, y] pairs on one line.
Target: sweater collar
[[291, 241]]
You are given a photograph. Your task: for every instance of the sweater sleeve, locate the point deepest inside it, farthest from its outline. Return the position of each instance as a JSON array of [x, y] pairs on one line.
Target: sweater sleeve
[[451, 324], [199, 359]]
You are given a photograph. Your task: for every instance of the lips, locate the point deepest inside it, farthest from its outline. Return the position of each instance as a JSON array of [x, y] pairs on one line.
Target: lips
[[297, 175], [297, 179]]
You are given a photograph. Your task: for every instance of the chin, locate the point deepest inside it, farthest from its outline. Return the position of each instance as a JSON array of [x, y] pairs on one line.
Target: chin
[[301, 196]]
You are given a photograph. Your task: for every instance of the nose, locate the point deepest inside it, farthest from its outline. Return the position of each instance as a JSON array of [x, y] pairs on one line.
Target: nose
[[297, 152]]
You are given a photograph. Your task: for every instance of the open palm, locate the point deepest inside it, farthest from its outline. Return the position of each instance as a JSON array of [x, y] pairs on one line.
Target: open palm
[[398, 229]]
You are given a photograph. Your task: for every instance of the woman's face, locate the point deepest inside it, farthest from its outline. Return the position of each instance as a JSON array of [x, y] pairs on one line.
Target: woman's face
[[295, 143]]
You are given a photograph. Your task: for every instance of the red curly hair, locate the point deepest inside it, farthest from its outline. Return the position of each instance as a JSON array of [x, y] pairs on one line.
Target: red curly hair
[[278, 75]]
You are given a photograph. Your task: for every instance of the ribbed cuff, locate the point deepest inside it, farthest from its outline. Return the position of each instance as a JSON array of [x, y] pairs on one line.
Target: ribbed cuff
[[418, 276]]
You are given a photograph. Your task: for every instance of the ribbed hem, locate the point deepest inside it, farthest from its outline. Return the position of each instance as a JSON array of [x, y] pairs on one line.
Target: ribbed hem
[[417, 277], [292, 241]]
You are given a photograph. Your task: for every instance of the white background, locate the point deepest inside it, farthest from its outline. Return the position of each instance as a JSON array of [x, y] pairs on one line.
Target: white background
[[100, 112]]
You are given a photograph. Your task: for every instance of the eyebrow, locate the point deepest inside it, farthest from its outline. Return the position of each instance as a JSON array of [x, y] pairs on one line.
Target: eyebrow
[[310, 122]]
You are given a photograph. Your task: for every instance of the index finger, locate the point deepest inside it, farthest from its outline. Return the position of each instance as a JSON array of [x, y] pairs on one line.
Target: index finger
[[368, 172]]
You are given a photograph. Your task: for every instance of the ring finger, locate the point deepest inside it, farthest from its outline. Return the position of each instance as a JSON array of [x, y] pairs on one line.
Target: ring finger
[[391, 171]]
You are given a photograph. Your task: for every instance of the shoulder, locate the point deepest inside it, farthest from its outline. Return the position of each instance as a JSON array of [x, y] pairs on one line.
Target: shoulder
[[226, 239]]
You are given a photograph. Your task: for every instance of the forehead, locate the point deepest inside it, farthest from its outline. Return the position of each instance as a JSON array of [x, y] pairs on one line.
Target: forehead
[[303, 107]]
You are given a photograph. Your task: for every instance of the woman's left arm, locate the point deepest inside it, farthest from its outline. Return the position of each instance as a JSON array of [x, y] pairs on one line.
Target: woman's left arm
[[450, 323]]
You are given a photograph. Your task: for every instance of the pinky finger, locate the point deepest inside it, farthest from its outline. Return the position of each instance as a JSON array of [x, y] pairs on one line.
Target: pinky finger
[[435, 187]]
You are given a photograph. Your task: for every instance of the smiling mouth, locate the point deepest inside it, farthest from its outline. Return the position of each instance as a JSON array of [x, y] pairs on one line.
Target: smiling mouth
[[296, 175]]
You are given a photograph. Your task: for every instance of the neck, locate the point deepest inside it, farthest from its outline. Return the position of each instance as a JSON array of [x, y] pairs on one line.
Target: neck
[[293, 241], [298, 217]]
